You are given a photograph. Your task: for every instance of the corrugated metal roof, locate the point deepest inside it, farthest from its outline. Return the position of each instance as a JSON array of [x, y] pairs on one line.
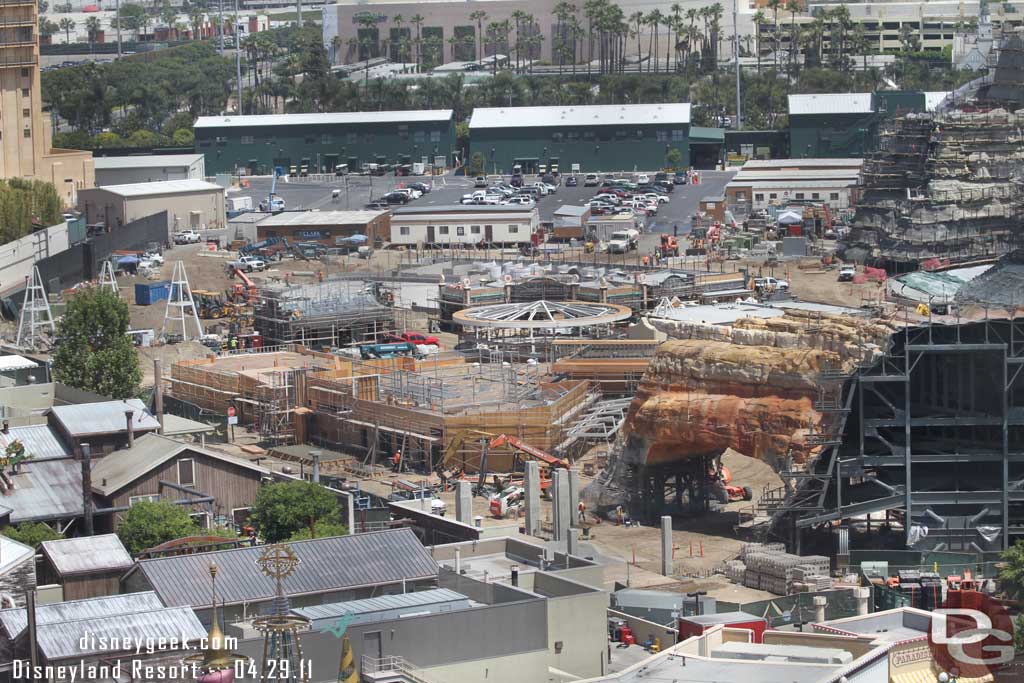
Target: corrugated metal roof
[[799, 164], [808, 174], [585, 115], [106, 417], [571, 210], [45, 489], [122, 467], [383, 603], [793, 186], [336, 118], [176, 425], [13, 553], [326, 564], [40, 441], [13, 362], [706, 134], [462, 208], [161, 187], [15, 620], [831, 103], [287, 218], [62, 640], [87, 554], [146, 161]]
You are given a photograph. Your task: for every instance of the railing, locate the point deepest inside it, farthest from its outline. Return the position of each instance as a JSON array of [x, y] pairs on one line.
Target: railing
[[24, 21], [17, 61], [393, 665]]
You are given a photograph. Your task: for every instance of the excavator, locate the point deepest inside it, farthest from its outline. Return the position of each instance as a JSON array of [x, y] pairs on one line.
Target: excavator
[[244, 292]]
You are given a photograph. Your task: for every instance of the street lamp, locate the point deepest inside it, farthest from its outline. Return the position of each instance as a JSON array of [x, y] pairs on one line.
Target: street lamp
[[696, 600]]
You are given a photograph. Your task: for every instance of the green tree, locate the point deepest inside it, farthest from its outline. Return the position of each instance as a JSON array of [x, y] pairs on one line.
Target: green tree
[[93, 28], [674, 158], [94, 352], [66, 25], [184, 137], [320, 531], [149, 524], [1011, 574], [47, 27], [133, 17], [32, 533], [285, 508]]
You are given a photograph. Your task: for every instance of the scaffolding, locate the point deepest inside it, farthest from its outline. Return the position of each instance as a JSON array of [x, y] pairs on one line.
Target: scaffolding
[[35, 314], [331, 313]]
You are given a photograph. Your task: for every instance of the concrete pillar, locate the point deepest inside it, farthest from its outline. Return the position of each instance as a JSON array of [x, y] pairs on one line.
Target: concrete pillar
[[562, 516], [574, 497], [458, 560], [464, 502], [862, 595], [666, 545], [573, 542], [819, 608], [531, 483], [351, 514]]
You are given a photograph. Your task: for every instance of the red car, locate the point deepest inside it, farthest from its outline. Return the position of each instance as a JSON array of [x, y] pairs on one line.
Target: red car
[[414, 338]]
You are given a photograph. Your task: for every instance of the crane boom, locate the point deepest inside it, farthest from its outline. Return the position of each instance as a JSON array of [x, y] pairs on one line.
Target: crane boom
[[532, 451]]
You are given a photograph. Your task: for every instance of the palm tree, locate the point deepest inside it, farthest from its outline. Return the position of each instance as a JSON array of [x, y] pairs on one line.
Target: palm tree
[[479, 16], [691, 15], [92, 26], [368, 22], [792, 6], [562, 11], [591, 10], [774, 6], [398, 20], [417, 21], [759, 18], [336, 44], [636, 19], [519, 16], [673, 25], [66, 24], [655, 19]]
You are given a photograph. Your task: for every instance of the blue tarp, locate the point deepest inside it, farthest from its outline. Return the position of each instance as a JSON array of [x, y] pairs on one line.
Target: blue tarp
[[127, 260]]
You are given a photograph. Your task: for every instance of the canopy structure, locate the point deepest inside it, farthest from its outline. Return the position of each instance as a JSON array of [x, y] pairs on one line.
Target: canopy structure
[[542, 315]]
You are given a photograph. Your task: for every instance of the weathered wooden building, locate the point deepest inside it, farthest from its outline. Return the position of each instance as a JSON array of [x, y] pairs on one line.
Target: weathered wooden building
[[86, 567]]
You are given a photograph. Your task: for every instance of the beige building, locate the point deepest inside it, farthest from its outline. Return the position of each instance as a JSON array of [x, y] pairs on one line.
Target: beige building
[[25, 131], [189, 204]]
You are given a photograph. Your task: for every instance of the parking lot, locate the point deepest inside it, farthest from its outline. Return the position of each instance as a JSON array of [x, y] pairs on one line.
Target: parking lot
[[357, 191]]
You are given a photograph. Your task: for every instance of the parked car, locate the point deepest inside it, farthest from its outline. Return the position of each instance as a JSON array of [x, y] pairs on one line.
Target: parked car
[[397, 198], [248, 264], [642, 179], [590, 180], [660, 198], [412, 338], [516, 180], [187, 237], [770, 283], [679, 178], [275, 205], [571, 181], [425, 188], [847, 273], [378, 204], [480, 181]]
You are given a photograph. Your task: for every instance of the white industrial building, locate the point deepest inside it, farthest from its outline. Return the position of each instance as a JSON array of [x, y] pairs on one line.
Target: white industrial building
[[149, 168], [763, 183], [464, 224], [189, 204]]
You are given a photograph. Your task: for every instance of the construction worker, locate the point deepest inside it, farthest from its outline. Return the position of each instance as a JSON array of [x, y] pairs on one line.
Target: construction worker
[[675, 230], [234, 343], [397, 461], [582, 507], [646, 260]]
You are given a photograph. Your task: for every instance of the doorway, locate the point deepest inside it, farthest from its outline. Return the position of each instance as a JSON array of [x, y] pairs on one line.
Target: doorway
[[372, 645], [430, 234]]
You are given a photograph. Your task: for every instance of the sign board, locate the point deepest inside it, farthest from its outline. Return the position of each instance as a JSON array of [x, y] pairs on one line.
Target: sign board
[[231, 411], [232, 419], [575, 168]]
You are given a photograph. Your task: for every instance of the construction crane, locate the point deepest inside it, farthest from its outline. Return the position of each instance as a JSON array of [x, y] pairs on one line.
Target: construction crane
[[245, 292], [521, 449]]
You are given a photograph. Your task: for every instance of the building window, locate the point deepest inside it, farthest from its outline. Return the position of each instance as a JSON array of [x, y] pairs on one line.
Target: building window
[[325, 139], [460, 230], [799, 195], [201, 519], [403, 132], [351, 138], [773, 195], [678, 135], [513, 229], [187, 472], [204, 143], [572, 136], [24, 73], [435, 136], [475, 229], [417, 136], [28, 132], [151, 498], [638, 134], [403, 230], [759, 197], [661, 135], [24, 92], [621, 135], [27, 113], [368, 138], [833, 196], [309, 139], [557, 137], [443, 230], [248, 140], [588, 136], [815, 195]]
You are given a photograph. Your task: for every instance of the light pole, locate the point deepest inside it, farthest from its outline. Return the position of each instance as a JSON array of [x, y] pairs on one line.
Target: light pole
[[238, 59], [736, 56], [696, 600]]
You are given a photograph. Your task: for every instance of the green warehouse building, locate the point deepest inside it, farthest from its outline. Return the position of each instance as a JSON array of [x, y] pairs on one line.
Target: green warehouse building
[[836, 125], [591, 138], [320, 142]]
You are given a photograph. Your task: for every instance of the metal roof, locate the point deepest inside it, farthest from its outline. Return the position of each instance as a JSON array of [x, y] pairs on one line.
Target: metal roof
[[706, 134], [462, 208], [146, 161], [409, 603], [571, 210], [794, 176], [85, 554], [45, 489], [13, 553], [8, 363], [15, 620], [176, 425], [106, 417], [326, 564], [831, 103], [40, 441], [303, 218], [794, 185], [122, 467], [799, 164], [62, 640], [585, 115], [331, 118], [161, 187]]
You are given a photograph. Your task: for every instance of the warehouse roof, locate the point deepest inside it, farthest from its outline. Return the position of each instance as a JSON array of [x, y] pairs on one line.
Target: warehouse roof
[[39, 440], [146, 161], [45, 489], [325, 564], [706, 134], [122, 467], [303, 218], [161, 187], [462, 208], [829, 103], [800, 164], [15, 619], [105, 417], [586, 115], [336, 118], [63, 640], [9, 363], [787, 176], [85, 554], [416, 603], [571, 210]]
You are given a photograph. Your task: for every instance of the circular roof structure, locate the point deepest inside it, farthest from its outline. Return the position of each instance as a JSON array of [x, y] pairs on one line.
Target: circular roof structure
[[542, 315]]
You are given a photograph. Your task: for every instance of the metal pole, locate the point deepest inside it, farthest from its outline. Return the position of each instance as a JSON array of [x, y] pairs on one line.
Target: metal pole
[[736, 56], [238, 60], [220, 9], [117, 20]]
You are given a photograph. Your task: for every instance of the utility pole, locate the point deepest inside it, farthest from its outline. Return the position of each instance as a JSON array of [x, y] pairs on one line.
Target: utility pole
[[736, 56], [220, 9], [298, 8], [238, 59], [117, 20]]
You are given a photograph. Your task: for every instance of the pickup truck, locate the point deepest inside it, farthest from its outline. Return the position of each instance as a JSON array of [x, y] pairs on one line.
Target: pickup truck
[[248, 264], [623, 240], [187, 237], [762, 284]]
